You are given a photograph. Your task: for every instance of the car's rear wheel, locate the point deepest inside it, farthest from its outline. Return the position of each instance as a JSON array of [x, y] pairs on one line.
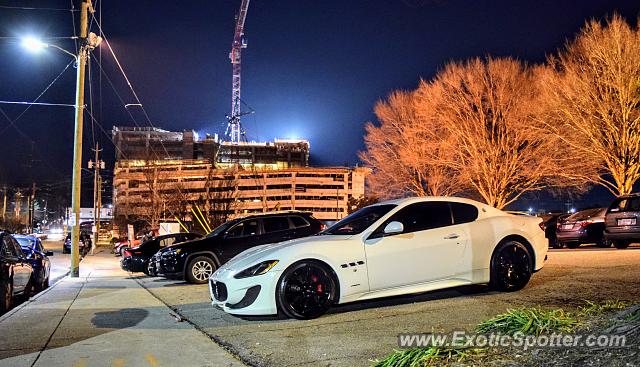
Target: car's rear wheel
[[200, 269], [41, 284], [145, 267], [6, 295], [621, 244], [306, 290], [511, 267]]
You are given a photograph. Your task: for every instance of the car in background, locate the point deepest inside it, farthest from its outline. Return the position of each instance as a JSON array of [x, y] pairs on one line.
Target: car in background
[[38, 258], [585, 226], [392, 248], [196, 260], [15, 272], [622, 221], [550, 225], [84, 246], [136, 259]]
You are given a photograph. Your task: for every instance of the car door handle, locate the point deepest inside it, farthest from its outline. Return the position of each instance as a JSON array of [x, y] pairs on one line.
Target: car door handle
[[452, 236]]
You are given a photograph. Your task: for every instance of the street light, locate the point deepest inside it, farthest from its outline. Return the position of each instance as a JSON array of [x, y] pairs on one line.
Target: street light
[[88, 41]]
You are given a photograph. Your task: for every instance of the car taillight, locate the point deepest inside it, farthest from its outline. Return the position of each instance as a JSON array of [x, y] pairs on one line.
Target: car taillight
[[542, 226], [584, 223], [127, 253], [323, 227]]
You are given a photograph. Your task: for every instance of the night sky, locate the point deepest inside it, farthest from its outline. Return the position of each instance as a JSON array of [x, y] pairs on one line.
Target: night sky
[[312, 69]]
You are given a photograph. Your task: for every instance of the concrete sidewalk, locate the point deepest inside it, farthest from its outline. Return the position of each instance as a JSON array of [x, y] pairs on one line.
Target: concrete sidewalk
[[103, 318]]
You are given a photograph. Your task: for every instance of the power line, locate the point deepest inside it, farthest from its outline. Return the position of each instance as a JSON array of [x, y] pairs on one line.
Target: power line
[[37, 104], [34, 8]]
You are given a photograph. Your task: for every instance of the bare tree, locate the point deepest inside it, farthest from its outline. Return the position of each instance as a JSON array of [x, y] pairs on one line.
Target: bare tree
[[594, 97], [405, 150], [490, 109], [220, 195]]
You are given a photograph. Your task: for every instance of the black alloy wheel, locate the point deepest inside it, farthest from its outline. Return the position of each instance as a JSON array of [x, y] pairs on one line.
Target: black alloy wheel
[[511, 267], [6, 293], [306, 290], [621, 245]]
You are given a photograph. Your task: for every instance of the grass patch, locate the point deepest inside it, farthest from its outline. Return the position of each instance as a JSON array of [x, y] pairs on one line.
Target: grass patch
[[596, 309], [432, 356], [529, 320]]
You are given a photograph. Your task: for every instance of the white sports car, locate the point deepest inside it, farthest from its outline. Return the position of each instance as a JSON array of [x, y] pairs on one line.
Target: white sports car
[[396, 247]]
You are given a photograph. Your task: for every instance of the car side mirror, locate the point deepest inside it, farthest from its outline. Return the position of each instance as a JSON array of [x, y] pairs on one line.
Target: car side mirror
[[49, 253], [393, 228]]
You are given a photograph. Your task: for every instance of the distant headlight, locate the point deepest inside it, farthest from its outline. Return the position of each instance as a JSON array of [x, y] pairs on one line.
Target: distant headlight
[[258, 269]]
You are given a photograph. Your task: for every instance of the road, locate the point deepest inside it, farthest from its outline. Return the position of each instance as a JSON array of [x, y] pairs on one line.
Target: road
[[354, 334]]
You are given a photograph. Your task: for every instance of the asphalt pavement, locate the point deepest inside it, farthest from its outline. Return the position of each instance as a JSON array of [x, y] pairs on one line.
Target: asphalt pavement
[[354, 334], [102, 318]]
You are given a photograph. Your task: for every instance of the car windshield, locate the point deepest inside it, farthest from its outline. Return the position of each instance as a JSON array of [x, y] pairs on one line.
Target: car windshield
[[25, 242], [222, 228], [360, 220]]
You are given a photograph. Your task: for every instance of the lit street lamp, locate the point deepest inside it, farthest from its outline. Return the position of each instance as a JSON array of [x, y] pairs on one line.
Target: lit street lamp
[[88, 41]]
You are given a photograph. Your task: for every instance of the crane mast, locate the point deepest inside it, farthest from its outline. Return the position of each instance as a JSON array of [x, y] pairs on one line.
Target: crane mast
[[238, 44]]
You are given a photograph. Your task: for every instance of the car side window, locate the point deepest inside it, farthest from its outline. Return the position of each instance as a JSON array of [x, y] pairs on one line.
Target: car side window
[[243, 229], [167, 241], [9, 248], [463, 213], [633, 205], [422, 216], [298, 221], [39, 246], [275, 224]]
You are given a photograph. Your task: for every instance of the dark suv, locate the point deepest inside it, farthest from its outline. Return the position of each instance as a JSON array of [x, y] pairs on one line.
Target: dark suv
[[196, 260], [622, 221]]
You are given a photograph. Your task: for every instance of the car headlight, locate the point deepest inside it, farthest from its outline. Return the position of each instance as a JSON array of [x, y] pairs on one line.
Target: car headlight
[[258, 269]]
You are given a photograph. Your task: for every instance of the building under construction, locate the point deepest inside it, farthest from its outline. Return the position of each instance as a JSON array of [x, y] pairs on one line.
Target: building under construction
[[160, 175]]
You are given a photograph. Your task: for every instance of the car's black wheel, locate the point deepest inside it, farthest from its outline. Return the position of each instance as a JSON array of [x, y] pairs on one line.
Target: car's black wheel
[[621, 244], [511, 267], [306, 290], [151, 269], [573, 244], [200, 269], [604, 243], [41, 284], [6, 295], [145, 268]]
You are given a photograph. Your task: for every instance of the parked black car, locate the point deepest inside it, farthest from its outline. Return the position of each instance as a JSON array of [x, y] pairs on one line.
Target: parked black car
[[136, 259], [38, 258], [585, 226], [84, 245], [550, 225], [15, 272], [622, 221], [195, 261]]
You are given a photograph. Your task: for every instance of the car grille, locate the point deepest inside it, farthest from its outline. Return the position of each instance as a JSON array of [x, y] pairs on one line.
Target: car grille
[[219, 290]]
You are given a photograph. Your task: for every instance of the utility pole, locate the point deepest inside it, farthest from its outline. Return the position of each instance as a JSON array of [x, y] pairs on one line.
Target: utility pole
[[85, 6], [32, 206], [97, 197]]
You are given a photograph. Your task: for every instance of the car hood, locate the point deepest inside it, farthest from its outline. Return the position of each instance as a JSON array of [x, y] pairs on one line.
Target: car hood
[[271, 251], [185, 244]]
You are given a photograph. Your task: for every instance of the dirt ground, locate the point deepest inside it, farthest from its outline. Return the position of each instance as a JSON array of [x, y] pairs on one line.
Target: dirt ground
[[355, 334]]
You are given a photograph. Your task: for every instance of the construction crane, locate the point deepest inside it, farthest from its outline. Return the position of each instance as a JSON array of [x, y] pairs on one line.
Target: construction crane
[[234, 130]]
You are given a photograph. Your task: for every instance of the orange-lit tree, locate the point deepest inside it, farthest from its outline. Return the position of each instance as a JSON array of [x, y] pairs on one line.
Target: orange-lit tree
[[405, 156], [593, 95], [490, 110]]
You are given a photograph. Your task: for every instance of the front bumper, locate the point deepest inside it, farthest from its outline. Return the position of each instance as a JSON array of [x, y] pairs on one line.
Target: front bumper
[[248, 296]]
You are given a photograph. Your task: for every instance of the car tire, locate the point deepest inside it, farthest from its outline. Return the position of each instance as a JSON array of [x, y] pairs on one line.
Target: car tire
[[511, 267], [603, 243], [573, 245], [145, 268], [41, 284], [200, 269], [621, 245], [6, 296], [306, 290]]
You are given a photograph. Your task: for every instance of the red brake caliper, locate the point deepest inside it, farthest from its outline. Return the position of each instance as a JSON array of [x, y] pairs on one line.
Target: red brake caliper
[[318, 286]]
